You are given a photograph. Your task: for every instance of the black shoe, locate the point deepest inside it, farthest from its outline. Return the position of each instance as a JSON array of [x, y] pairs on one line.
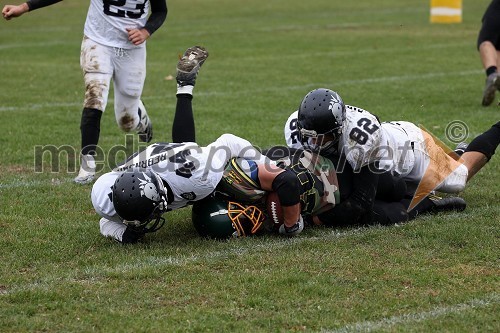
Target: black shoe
[[460, 148], [491, 87], [447, 204]]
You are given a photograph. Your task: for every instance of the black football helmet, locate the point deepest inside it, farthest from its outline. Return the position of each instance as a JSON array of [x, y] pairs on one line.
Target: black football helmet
[[216, 217], [139, 197], [321, 116]]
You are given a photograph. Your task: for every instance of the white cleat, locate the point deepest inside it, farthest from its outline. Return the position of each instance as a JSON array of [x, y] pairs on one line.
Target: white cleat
[[87, 170], [145, 127]]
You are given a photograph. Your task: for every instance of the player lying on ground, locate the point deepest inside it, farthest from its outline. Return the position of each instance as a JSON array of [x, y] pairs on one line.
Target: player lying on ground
[[173, 175], [308, 184], [347, 133], [132, 198]]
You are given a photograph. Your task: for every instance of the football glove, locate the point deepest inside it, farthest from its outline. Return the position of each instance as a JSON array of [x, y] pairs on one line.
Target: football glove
[[293, 230], [132, 235]]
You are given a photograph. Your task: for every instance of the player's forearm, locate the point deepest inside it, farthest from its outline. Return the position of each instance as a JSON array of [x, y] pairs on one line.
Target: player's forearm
[[35, 4], [158, 15]]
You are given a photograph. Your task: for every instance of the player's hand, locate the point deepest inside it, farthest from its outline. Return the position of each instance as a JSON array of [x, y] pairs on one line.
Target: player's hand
[[10, 11], [293, 230], [132, 235], [137, 36]]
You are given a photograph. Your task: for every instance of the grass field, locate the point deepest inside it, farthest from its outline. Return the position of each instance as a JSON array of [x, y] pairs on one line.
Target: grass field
[[58, 274]]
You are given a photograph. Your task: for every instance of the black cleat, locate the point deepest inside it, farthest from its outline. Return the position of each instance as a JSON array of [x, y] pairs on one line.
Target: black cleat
[[447, 204], [491, 87], [460, 148], [189, 65]]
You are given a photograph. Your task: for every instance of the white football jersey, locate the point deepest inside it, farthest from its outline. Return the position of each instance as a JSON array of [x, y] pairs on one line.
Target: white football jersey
[[365, 140], [107, 21], [291, 131], [400, 147], [192, 172]]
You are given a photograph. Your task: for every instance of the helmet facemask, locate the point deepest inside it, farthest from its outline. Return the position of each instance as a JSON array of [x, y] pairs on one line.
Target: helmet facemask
[[326, 143], [247, 220], [151, 224], [320, 118], [221, 218]]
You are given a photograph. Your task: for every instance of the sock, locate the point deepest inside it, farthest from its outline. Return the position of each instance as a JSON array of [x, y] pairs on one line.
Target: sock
[[90, 127], [185, 89], [183, 129], [487, 142], [491, 70]]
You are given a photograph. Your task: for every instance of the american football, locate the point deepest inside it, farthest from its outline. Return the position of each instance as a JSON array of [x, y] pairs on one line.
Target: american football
[[274, 210]]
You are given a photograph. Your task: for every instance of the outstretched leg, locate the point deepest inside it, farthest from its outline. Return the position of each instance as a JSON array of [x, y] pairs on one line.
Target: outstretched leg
[[183, 128], [481, 149]]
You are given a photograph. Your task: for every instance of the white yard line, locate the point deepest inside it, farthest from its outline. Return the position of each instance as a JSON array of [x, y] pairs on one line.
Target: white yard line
[[33, 182], [33, 45], [31, 107], [388, 322]]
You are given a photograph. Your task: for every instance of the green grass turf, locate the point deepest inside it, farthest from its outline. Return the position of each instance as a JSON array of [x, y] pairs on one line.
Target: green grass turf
[[57, 274]]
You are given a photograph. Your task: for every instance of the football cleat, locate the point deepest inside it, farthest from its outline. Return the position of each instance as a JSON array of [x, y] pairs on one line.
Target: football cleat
[[145, 127], [447, 204], [87, 170], [492, 85], [460, 148], [189, 65]]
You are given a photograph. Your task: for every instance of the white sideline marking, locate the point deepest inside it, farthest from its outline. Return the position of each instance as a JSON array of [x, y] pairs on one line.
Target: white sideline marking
[[31, 183], [41, 44], [31, 107], [388, 322], [292, 27]]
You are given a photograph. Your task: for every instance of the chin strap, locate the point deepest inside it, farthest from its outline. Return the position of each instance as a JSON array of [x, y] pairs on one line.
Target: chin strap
[[154, 226]]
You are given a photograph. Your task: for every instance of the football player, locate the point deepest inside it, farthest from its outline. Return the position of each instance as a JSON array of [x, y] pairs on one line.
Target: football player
[[488, 45], [326, 125], [132, 198], [307, 182], [113, 48]]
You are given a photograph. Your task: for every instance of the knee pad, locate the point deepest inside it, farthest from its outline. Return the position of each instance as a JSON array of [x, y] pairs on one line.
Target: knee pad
[[286, 184], [128, 121]]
